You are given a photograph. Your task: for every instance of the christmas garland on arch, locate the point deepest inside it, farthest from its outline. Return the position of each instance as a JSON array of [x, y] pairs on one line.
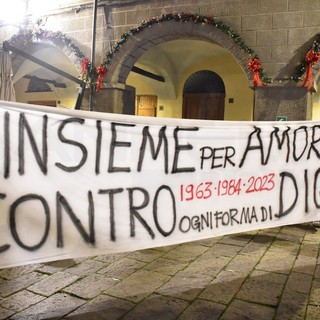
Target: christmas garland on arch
[[95, 75], [254, 64], [312, 57], [25, 38]]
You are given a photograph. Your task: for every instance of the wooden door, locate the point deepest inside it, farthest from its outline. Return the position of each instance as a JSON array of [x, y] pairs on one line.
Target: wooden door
[[208, 106], [147, 105]]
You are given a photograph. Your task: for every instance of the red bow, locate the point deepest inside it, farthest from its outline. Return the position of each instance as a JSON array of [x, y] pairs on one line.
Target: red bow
[[101, 72], [254, 66], [311, 59]]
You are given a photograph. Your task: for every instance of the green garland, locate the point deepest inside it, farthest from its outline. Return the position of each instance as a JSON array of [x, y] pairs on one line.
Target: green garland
[[302, 67], [185, 18], [25, 38]]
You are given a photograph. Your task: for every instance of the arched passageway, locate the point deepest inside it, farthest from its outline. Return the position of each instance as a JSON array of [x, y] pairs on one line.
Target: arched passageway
[[177, 60], [203, 96]]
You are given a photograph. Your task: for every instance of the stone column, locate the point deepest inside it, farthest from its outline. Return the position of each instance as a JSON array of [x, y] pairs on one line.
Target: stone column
[[116, 99], [292, 102]]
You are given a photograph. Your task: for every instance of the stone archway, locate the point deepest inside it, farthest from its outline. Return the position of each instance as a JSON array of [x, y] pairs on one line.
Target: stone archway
[[134, 44], [203, 96], [30, 40], [137, 44], [58, 51]]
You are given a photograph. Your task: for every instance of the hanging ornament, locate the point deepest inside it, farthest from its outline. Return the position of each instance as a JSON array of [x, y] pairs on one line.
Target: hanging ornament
[[311, 58]]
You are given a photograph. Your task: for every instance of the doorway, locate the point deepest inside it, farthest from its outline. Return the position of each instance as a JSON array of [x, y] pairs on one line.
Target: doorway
[[147, 105], [203, 96]]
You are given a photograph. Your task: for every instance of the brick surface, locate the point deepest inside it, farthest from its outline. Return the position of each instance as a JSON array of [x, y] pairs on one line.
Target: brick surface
[[272, 6], [247, 310], [223, 288], [55, 306], [5, 313], [157, 307], [138, 286], [286, 20], [102, 307], [293, 306], [260, 288], [20, 283], [52, 284], [257, 22], [271, 37], [203, 310], [90, 286], [21, 300], [267, 274], [185, 285]]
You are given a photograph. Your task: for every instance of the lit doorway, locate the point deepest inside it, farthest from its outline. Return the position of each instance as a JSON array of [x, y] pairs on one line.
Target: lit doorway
[[204, 96]]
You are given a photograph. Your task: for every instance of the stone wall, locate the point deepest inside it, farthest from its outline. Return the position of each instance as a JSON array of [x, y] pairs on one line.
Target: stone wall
[[279, 31]]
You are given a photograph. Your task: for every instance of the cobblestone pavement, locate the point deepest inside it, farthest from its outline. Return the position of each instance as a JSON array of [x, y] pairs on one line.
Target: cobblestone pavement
[[267, 274]]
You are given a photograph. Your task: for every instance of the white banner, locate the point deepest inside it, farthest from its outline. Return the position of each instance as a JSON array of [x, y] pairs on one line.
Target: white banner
[[77, 183]]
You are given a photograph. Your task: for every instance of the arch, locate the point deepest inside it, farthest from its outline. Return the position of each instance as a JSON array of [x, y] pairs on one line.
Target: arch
[[203, 96], [204, 81], [30, 40], [54, 48], [151, 32]]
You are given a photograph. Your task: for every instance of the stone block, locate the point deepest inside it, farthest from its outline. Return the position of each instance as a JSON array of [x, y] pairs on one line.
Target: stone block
[[135, 17], [201, 309], [302, 5], [285, 20], [90, 286], [243, 7], [122, 268], [223, 288], [312, 18], [20, 283], [299, 282], [283, 53], [55, 307], [53, 284], [217, 10], [144, 282], [247, 310], [118, 18], [293, 306], [272, 37], [298, 36], [249, 37], [257, 22], [267, 6], [271, 102], [102, 307], [20, 301], [260, 290], [158, 307]]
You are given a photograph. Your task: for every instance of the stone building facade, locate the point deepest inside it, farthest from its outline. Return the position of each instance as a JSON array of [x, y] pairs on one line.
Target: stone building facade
[[279, 32]]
